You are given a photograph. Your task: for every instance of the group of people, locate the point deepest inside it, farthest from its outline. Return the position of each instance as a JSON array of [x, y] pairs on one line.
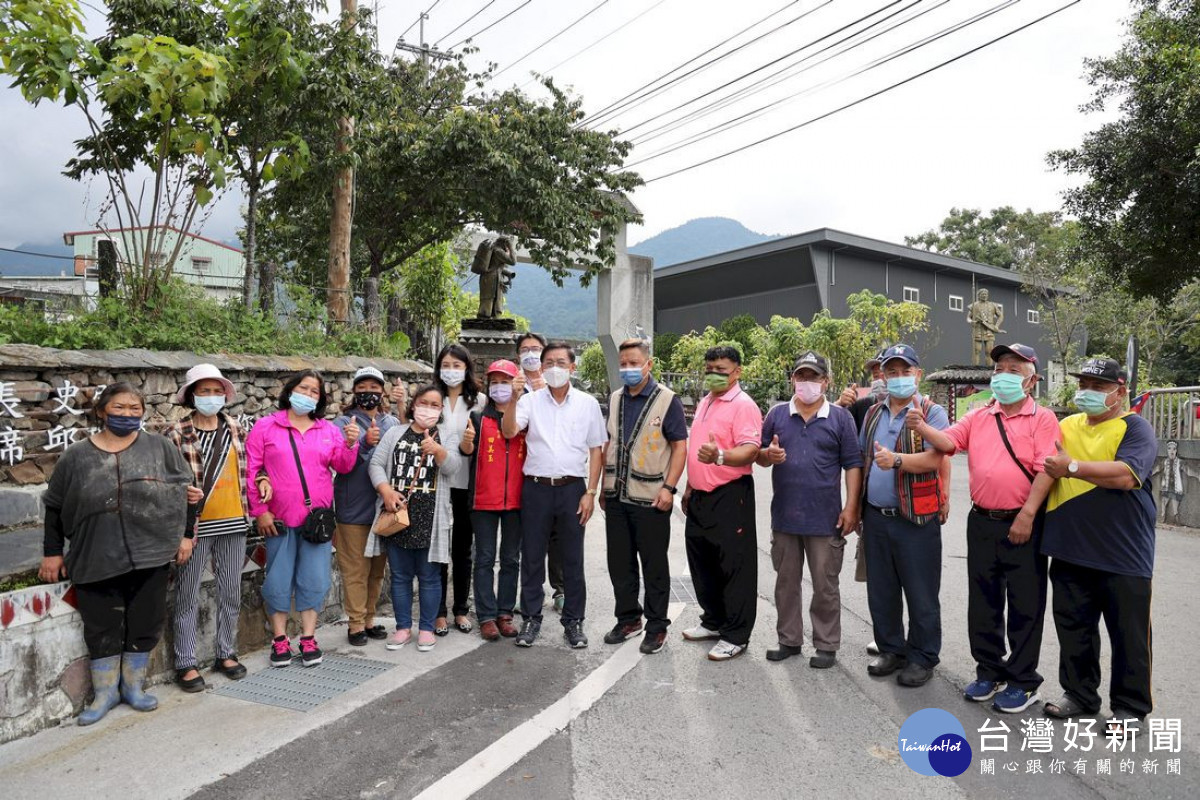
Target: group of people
[[466, 473]]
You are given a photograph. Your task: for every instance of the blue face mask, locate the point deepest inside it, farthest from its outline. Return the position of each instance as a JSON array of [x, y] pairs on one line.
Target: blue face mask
[[122, 426], [631, 376], [302, 403], [1007, 387], [903, 387], [1092, 402], [209, 406]]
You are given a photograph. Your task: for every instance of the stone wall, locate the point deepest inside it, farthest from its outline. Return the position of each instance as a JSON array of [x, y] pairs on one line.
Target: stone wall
[[46, 394]]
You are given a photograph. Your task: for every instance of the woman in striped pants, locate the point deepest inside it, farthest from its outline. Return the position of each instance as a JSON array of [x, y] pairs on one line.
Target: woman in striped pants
[[214, 446]]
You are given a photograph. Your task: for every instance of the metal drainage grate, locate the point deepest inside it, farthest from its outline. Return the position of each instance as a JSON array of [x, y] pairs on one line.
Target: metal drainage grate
[[304, 688], [682, 590]]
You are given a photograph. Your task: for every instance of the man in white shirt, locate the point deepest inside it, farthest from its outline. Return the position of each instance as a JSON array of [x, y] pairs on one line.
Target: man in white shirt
[[564, 459]]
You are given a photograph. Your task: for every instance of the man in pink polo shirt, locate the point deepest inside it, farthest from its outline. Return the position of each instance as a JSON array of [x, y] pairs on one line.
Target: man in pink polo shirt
[[1007, 443], [722, 544]]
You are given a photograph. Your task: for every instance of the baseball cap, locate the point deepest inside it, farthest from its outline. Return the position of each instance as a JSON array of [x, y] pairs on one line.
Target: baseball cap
[[368, 373], [504, 367], [1105, 369], [1021, 351], [811, 360], [876, 359], [902, 352]]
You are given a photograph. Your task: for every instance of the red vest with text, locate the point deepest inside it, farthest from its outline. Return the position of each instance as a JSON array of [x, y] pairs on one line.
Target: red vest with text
[[496, 468]]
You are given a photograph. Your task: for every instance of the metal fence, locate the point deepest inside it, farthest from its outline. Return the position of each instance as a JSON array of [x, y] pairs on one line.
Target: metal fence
[[1173, 412]]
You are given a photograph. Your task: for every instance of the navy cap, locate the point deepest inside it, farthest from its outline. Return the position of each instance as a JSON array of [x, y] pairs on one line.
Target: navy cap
[[811, 360], [1021, 351], [902, 352], [1105, 369]]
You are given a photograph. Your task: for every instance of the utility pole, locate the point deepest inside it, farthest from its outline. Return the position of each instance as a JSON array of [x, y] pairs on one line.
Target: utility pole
[[337, 300]]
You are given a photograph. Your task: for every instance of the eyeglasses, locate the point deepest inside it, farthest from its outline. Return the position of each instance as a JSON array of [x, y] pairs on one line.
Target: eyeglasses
[[565, 363], [526, 350]]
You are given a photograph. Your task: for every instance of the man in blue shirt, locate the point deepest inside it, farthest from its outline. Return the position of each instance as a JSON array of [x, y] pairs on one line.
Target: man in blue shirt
[[902, 525], [808, 442]]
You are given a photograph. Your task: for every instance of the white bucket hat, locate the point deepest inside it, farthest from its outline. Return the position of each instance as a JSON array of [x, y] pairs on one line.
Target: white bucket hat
[[202, 372]]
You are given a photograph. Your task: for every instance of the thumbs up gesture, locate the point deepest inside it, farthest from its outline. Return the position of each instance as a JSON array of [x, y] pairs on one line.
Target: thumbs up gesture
[[848, 396], [518, 385], [709, 451], [1058, 465], [884, 459], [352, 432], [428, 446], [914, 419], [775, 453], [468, 438], [372, 437]]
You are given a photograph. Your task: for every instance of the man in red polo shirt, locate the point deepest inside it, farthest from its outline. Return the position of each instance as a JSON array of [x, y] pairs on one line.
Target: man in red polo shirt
[[1007, 443], [722, 546]]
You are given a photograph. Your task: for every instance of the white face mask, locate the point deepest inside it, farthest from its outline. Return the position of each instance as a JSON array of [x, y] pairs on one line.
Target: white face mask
[[557, 377], [530, 362], [453, 377]]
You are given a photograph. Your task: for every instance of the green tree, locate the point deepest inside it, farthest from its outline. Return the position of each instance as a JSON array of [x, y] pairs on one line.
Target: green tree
[[740, 329], [593, 369], [1003, 238]]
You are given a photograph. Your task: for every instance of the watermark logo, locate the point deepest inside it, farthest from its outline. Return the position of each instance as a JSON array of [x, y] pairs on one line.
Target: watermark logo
[[934, 742]]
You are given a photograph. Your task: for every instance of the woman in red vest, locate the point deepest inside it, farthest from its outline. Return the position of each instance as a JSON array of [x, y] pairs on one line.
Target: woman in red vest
[[495, 494]]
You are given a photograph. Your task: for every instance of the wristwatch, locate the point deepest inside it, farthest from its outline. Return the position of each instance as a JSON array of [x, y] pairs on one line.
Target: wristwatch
[[670, 488], [593, 492], [899, 460], [1073, 467], [720, 457]]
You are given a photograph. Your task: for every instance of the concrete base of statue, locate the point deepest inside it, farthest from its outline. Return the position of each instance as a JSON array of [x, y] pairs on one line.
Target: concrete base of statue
[[489, 339]]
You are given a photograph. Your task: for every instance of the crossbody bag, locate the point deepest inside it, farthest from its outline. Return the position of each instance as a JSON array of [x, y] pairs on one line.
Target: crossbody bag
[[319, 525]]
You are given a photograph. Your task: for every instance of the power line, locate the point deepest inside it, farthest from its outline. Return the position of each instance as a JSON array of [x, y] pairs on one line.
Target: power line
[[862, 100], [465, 22], [775, 61], [578, 53], [615, 105], [424, 14], [586, 14], [490, 26], [758, 112]]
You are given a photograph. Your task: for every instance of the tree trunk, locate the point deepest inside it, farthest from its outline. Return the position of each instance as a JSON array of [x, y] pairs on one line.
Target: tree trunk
[[338, 292], [371, 304], [249, 246], [266, 286]]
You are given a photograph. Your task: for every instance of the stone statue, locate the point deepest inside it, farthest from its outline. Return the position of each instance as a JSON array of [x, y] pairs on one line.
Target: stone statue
[[985, 318], [491, 258]]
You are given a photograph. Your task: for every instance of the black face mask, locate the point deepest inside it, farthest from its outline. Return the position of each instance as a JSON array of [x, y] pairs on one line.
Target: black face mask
[[367, 400]]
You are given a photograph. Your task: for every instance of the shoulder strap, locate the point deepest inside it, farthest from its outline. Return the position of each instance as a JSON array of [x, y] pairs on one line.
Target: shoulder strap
[[1008, 446], [299, 469], [212, 464]]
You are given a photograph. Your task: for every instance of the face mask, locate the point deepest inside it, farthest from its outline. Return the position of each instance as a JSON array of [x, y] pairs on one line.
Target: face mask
[[632, 376], [530, 362], [1007, 387], [808, 391], [426, 417], [1092, 402], [878, 388], [453, 377], [556, 377], [903, 387], [367, 400], [500, 392], [302, 403], [715, 382], [209, 406], [122, 426]]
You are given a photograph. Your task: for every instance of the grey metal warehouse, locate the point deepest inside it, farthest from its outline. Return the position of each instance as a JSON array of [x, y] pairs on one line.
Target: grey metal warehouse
[[797, 276]]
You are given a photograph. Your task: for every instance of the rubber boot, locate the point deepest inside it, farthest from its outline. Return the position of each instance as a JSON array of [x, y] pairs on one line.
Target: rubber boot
[[106, 674], [133, 678]]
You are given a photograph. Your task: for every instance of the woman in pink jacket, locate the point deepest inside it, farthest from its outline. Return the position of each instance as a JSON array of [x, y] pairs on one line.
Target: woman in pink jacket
[[296, 568]]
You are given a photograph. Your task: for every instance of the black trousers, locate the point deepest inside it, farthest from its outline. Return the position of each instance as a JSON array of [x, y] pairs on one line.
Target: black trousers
[[1081, 597], [462, 539], [554, 569], [546, 508], [722, 553], [125, 613], [1000, 573], [635, 532]]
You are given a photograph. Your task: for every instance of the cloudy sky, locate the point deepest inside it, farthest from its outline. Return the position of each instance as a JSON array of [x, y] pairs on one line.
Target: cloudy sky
[[973, 133]]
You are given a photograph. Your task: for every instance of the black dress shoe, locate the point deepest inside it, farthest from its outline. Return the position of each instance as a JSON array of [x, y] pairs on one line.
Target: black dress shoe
[[783, 652], [824, 659], [377, 632], [357, 638], [234, 673], [886, 664], [195, 684], [914, 675]]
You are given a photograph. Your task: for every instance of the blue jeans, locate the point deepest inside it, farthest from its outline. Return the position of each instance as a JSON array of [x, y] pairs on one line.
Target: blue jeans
[[903, 558], [296, 567], [405, 565], [486, 523]]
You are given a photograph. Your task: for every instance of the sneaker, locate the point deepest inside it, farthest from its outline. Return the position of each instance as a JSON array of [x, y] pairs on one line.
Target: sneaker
[[357, 638], [376, 632], [281, 652], [1014, 700], [700, 633], [560, 600], [310, 653], [573, 633], [398, 639], [507, 629], [723, 651], [425, 641], [653, 642], [529, 633], [623, 631], [982, 691]]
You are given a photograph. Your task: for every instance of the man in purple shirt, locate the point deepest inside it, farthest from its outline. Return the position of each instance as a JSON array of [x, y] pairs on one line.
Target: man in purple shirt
[[809, 443]]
